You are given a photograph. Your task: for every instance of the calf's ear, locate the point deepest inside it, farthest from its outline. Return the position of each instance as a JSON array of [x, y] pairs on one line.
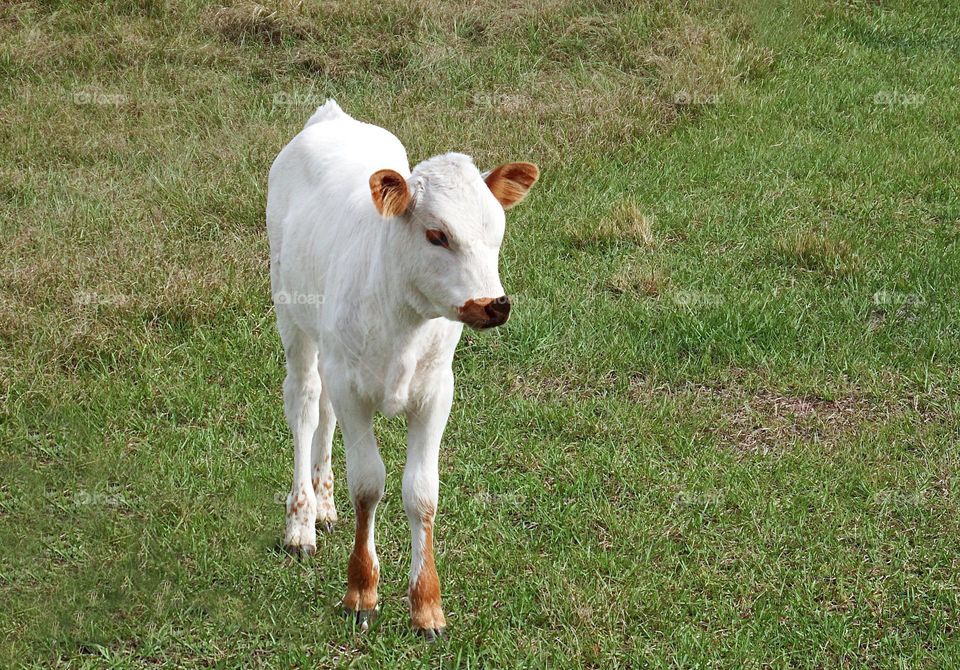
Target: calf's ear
[[510, 182], [390, 192]]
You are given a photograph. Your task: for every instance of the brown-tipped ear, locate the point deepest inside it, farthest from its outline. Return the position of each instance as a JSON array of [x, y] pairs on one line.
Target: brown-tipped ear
[[510, 182], [390, 192]]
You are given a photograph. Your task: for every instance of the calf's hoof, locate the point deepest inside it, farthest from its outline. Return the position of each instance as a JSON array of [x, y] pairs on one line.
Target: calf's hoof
[[428, 619], [362, 618], [433, 634], [300, 550], [300, 539]]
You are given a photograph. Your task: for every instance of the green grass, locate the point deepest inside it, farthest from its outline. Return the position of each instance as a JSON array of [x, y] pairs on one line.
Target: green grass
[[720, 429]]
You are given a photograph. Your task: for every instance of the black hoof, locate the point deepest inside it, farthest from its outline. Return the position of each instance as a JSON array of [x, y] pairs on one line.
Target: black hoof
[[433, 634], [326, 526], [362, 618], [302, 551]]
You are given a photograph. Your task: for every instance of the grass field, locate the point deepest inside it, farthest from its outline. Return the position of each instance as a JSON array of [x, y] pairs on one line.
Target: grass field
[[720, 429]]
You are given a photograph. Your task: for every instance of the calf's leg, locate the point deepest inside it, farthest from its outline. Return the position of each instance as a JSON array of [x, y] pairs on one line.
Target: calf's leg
[[301, 395], [365, 478], [322, 466], [421, 487]]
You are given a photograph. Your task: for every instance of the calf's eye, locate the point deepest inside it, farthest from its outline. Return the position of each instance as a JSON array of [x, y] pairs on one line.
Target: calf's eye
[[437, 238]]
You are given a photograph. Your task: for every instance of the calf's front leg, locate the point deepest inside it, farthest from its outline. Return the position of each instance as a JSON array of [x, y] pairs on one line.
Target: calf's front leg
[[366, 476], [321, 457], [421, 488], [301, 392]]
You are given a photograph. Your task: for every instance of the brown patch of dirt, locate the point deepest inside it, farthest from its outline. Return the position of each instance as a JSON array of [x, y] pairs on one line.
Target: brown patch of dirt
[[538, 384], [768, 420], [765, 420], [747, 419]]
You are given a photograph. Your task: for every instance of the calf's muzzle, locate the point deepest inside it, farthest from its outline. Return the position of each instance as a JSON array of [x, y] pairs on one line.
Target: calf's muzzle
[[484, 313]]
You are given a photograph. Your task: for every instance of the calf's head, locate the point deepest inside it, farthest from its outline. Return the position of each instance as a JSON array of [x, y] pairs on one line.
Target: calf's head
[[447, 224]]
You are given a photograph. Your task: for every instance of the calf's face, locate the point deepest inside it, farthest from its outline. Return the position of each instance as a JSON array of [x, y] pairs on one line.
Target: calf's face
[[448, 234]]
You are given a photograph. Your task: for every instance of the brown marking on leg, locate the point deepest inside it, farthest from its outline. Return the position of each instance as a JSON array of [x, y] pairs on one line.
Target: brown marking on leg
[[362, 575], [323, 487], [426, 612], [326, 508], [298, 502], [301, 510]]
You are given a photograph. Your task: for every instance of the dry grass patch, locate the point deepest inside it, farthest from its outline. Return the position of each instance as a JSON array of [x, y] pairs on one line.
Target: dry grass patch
[[766, 420], [539, 384], [579, 75], [633, 281], [752, 419], [626, 224], [817, 253], [335, 40], [13, 322], [84, 301], [603, 109], [735, 416], [629, 223], [245, 21], [698, 63]]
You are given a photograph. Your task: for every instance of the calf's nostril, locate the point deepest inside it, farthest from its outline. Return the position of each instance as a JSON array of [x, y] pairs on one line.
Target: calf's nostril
[[499, 308]]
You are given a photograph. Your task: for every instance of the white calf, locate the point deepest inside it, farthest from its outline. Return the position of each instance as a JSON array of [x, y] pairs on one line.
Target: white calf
[[375, 269]]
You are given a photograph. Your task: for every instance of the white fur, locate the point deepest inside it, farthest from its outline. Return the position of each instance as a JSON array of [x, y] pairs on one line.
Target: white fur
[[367, 308]]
